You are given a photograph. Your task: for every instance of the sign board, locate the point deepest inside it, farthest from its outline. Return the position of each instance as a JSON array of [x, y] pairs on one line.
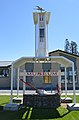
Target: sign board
[[39, 74]]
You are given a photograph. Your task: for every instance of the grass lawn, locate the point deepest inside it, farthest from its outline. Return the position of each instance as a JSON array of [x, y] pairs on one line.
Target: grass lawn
[[25, 113]]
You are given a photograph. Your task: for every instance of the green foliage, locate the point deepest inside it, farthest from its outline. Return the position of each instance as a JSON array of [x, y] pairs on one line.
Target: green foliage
[[71, 47]]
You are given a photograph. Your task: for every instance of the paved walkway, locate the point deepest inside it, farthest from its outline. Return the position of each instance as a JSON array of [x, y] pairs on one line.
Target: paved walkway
[[8, 92]]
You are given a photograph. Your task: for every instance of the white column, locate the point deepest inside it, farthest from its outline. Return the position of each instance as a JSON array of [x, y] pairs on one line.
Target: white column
[[65, 83], [59, 81], [24, 79], [74, 93], [35, 42], [18, 83], [11, 96]]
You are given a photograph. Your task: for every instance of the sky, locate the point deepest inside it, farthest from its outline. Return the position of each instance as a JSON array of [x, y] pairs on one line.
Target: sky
[[17, 30]]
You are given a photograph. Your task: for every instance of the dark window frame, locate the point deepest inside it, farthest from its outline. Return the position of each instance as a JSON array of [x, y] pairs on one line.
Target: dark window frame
[[42, 32]]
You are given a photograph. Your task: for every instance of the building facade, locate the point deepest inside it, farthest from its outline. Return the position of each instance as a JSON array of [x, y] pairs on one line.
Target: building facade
[[5, 74], [43, 81], [75, 59]]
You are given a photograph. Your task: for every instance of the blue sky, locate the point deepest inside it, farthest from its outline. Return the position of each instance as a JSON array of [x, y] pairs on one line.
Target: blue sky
[[17, 28]]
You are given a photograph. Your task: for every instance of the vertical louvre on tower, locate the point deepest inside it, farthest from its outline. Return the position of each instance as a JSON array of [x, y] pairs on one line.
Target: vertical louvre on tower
[[41, 20]]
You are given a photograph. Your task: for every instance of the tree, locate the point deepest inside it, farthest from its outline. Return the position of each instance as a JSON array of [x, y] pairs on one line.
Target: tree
[[71, 47], [66, 47]]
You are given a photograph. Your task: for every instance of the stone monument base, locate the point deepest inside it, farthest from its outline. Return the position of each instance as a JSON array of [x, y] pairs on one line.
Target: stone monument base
[[41, 101]]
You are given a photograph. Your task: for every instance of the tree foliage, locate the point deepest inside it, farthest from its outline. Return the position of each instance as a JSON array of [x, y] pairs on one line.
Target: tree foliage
[[71, 47], [66, 48]]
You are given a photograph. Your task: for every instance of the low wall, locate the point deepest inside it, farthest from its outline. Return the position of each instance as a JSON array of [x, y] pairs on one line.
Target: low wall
[[41, 101]]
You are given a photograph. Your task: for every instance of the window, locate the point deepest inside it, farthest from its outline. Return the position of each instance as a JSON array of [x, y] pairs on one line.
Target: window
[[41, 33], [46, 67], [4, 72], [70, 79], [29, 67], [62, 79], [41, 18], [70, 75], [29, 79], [62, 69]]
